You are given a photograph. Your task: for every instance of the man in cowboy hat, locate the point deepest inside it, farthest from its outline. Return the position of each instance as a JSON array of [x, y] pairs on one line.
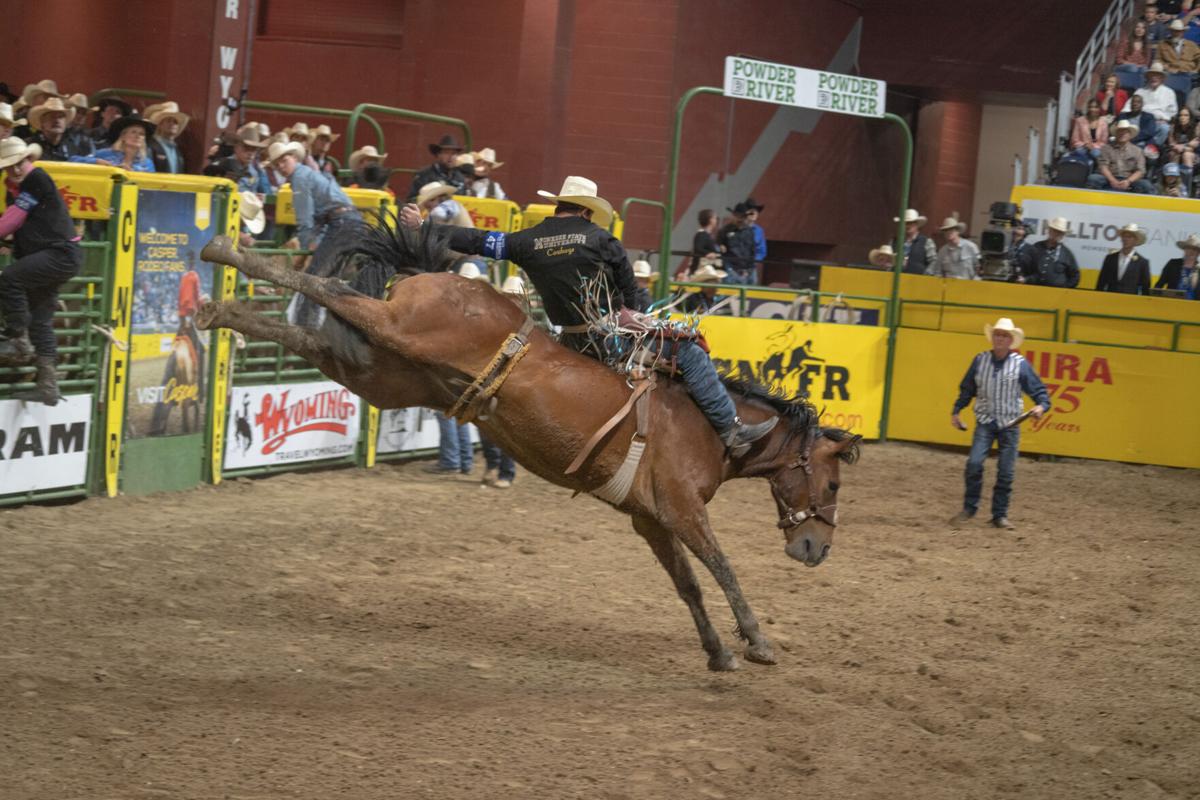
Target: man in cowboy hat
[[754, 211], [996, 378], [1158, 99], [320, 139], [958, 257], [46, 255], [436, 201], [362, 160], [1183, 274], [1019, 251], [573, 246], [482, 183], [247, 145], [8, 121], [109, 109], [34, 95], [737, 245], [79, 138], [49, 121], [701, 302], [1177, 54], [645, 276], [164, 150], [919, 250], [1050, 262], [1125, 270], [883, 256], [442, 169], [1121, 166]]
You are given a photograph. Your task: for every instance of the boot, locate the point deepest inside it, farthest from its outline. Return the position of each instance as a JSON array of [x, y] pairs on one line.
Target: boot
[[16, 350], [739, 436], [46, 390]]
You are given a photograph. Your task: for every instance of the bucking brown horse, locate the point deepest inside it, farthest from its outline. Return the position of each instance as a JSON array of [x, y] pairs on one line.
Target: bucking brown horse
[[435, 332]]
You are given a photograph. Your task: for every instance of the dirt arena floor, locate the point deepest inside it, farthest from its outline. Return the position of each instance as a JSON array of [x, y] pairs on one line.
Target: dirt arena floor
[[391, 634]]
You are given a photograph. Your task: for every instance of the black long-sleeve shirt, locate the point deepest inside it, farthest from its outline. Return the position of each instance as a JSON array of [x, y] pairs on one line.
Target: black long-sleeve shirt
[[558, 254]]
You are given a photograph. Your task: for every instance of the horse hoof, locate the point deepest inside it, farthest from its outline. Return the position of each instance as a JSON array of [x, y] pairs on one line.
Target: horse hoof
[[761, 653], [723, 661], [218, 251], [207, 314]]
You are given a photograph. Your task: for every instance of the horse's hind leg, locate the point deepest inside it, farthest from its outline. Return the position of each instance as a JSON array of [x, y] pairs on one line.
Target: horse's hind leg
[[671, 555], [239, 317]]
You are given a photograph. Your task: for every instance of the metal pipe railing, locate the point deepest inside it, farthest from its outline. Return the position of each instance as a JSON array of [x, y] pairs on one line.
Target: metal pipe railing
[[403, 113]]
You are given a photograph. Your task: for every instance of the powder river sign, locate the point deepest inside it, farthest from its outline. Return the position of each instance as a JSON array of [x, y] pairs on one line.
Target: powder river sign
[[747, 79]]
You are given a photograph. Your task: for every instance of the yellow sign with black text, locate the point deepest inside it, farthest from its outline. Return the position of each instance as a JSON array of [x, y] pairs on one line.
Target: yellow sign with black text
[[226, 282], [120, 319]]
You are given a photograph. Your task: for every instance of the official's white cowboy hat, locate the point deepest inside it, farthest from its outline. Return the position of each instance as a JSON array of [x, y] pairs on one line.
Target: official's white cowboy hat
[[50, 105], [14, 150], [471, 271], [882, 250], [513, 285], [1059, 224], [165, 110], [582, 192], [323, 130], [253, 216], [912, 215], [1005, 324], [642, 269], [365, 152], [8, 117], [952, 222], [434, 189], [706, 273], [1137, 232], [278, 150], [1156, 66], [1192, 241], [489, 155]]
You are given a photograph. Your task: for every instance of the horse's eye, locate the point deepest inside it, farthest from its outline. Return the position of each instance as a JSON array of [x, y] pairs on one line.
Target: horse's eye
[[834, 486]]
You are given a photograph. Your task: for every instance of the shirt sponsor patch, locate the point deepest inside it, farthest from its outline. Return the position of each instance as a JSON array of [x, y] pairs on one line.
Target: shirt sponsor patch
[[26, 202], [494, 245]]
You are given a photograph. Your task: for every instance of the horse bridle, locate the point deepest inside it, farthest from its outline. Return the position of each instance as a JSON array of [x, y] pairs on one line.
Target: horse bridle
[[792, 518]]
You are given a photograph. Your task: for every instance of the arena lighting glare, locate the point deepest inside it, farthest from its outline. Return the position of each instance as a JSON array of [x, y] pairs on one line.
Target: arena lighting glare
[[996, 239]]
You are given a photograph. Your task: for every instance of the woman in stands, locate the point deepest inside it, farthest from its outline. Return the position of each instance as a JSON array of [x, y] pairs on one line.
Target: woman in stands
[[1090, 131], [1133, 56], [1182, 141], [127, 146], [1112, 98]]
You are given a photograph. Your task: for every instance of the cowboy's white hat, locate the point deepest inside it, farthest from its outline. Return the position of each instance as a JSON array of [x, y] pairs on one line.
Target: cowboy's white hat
[[513, 285], [44, 86], [368, 151], [299, 129], [582, 192], [1005, 324], [1178, 25], [168, 109], [264, 130], [1156, 66], [78, 101], [51, 104], [250, 136], [323, 130], [882, 250], [489, 155], [1192, 241], [14, 150], [706, 273], [470, 270], [278, 150], [463, 159], [1137, 232], [952, 222], [912, 215], [1124, 125], [642, 269], [253, 216], [8, 117], [1059, 224], [434, 189]]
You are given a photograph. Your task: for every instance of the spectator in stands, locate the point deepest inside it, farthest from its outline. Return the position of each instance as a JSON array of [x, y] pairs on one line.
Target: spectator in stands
[[1126, 270], [128, 149], [1183, 274], [1090, 132], [363, 158], [169, 122], [1112, 98], [483, 184], [8, 121], [1156, 31], [1019, 252], [1177, 54], [47, 255], [1182, 141], [35, 94], [1190, 14], [110, 109], [374, 176], [442, 169], [1171, 184], [704, 242], [49, 121], [437, 203], [1145, 128], [247, 147], [1157, 100], [737, 244], [958, 257], [79, 138], [919, 250], [1121, 166], [254, 219], [1050, 262], [1133, 54], [883, 257], [645, 275], [320, 139], [701, 302], [754, 211]]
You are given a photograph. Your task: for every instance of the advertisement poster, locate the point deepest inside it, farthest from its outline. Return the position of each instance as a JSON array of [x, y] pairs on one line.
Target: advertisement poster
[[288, 423], [405, 429], [44, 447], [170, 358]]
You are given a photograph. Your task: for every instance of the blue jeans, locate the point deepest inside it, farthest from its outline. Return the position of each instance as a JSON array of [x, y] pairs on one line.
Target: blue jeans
[[454, 444], [739, 277], [1140, 186], [498, 459], [703, 383], [1009, 439]]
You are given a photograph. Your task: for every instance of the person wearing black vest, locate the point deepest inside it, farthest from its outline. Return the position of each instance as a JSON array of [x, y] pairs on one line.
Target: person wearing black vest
[[47, 254], [1125, 270], [441, 170], [919, 249], [1050, 262], [574, 246]]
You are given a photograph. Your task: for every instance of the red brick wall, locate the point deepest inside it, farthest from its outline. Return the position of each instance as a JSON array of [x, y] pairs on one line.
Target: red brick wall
[[947, 155]]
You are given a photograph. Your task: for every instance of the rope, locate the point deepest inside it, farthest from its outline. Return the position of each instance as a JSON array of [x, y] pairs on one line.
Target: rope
[[486, 384], [107, 333]]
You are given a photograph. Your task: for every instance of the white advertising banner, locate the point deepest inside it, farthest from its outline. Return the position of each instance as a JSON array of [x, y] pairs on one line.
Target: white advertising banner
[[747, 79], [44, 447], [1095, 229], [405, 429], [288, 423]]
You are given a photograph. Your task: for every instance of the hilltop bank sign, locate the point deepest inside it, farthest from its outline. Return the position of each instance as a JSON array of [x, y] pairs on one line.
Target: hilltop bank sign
[[766, 82]]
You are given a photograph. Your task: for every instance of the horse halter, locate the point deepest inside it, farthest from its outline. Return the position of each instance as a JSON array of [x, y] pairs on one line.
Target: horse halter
[[792, 518]]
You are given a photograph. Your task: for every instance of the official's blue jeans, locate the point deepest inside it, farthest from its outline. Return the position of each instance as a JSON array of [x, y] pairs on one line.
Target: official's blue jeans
[[497, 459], [454, 444], [1009, 439], [703, 383]]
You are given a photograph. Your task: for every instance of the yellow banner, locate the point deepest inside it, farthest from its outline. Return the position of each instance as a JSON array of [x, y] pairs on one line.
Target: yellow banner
[[839, 367], [87, 190], [363, 199], [120, 317], [222, 351], [1107, 402], [491, 214], [535, 213]]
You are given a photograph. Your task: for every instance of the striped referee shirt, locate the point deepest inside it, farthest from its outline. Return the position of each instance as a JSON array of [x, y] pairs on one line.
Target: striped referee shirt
[[997, 385]]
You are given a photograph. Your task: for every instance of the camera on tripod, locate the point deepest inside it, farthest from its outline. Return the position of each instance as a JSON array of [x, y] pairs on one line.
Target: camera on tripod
[[996, 240]]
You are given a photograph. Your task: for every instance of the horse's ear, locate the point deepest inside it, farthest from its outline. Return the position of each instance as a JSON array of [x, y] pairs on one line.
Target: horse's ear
[[848, 442]]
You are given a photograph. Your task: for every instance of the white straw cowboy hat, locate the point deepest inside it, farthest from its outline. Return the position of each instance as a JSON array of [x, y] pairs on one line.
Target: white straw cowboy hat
[[8, 117], [884, 251], [1178, 25], [14, 150], [365, 152], [470, 270], [489, 155], [1137, 232], [432, 190], [44, 86], [952, 222], [706, 273], [299, 129], [278, 150], [169, 109], [912, 215], [1059, 224], [513, 285], [323, 130], [1124, 125], [463, 159], [253, 216], [1005, 324], [50, 105], [1156, 66], [1192, 241], [642, 269], [79, 102], [250, 136], [582, 192]]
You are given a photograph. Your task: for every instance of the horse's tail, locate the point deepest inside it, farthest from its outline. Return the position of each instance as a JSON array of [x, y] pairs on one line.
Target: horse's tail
[[376, 255]]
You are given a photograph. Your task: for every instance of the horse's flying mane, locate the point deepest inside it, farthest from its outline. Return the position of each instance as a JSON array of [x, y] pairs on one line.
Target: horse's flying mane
[[796, 410]]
